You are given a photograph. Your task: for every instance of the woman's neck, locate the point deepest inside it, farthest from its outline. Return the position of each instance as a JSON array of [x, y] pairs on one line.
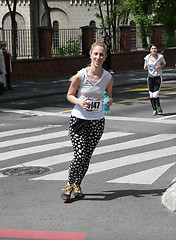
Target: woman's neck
[[95, 71], [154, 55]]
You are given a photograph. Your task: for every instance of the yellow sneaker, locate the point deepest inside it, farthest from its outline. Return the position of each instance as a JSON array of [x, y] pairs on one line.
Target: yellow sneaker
[[77, 192], [66, 192]]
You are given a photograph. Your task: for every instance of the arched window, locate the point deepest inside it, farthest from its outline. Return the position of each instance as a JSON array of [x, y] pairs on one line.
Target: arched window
[[133, 35], [56, 34], [16, 34], [92, 23]]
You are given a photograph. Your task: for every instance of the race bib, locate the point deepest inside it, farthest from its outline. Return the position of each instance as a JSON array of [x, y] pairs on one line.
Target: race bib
[[96, 105]]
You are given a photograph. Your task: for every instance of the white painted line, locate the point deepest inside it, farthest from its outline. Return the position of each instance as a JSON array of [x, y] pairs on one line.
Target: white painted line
[[61, 158], [46, 147], [116, 163], [66, 157], [29, 112], [25, 130], [135, 143], [33, 139], [165, 117], [36, 113], [144, 177], [131, 119], [33, 150]]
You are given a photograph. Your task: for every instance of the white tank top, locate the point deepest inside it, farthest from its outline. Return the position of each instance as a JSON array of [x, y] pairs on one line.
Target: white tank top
[[95, 94]]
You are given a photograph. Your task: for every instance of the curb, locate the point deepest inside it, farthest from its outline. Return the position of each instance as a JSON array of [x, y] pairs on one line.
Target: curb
[[169, 197]]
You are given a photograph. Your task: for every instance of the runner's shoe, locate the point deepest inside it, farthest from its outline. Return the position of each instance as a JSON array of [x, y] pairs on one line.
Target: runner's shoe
[[154, 113], [77, 192], [66, 192], [159, 110]]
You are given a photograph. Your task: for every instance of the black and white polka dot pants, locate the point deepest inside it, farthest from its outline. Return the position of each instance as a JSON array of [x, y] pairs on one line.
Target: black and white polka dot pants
[[84, 144]]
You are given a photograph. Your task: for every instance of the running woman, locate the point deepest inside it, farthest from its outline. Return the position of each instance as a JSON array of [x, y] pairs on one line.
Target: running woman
[[87, 117], [154, 63]]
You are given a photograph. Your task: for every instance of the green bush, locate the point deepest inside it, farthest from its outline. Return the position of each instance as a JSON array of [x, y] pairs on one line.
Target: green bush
[[72, 47]]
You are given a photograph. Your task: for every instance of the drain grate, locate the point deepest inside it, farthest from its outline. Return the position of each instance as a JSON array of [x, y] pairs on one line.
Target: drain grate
[[22, 171]]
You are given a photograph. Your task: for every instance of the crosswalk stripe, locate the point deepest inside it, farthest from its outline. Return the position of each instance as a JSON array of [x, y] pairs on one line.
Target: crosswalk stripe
[[132, 119], [61, 158], [135, 143], [47, 147], [29, 112], [25, 130], [116, 163], [33, 139], [5, 124], [148, 176]]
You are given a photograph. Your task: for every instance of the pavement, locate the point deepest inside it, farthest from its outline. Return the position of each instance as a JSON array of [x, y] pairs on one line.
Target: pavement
[[47, 87]]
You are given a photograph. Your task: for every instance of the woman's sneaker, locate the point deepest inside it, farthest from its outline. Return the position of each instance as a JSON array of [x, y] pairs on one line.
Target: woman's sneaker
[[66, 192], [159, 110], [154, 113], [77, 192]]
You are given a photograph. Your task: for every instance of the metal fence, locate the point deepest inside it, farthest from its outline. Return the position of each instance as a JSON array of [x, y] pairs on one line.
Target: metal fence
[[66, 42], [23, 42]]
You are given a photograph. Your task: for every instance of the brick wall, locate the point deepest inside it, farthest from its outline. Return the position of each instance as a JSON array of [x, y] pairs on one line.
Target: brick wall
[[33, 69]]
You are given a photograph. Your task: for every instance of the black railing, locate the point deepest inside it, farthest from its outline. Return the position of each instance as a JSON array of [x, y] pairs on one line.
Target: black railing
[[23, 42], [66, 42]]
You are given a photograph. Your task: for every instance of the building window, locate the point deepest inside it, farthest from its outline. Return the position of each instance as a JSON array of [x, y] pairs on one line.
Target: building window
[[92, 23], [133, 35], [56, 34]]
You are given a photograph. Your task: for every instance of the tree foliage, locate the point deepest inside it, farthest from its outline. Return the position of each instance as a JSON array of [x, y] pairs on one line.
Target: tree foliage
[[142, 10], [145, 13], [111, 13], [165, 13]]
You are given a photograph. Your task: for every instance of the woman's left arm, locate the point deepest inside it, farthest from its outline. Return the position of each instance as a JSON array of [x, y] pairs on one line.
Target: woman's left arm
[[161, 64], [109, 92]]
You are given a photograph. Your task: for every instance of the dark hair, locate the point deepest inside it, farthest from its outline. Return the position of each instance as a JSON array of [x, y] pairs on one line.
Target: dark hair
[[106, 37], [153, 45], [158, 50]]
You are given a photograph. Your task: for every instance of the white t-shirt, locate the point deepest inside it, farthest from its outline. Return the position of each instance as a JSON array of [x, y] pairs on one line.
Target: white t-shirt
[[95, 94], [152, 70]]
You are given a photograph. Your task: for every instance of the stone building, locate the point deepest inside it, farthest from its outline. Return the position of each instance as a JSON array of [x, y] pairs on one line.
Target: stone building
[[65, 14]]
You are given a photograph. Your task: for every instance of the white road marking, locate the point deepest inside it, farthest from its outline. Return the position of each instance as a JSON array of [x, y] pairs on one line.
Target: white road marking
[[163, 120], [132, 119], [116, 163], [25, 130], [41, 137], [61, 158], [148, 176], [47, 147], [30, 112]]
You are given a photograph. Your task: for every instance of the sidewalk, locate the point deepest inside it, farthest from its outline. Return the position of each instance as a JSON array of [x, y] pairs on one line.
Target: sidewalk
[[48, 87]]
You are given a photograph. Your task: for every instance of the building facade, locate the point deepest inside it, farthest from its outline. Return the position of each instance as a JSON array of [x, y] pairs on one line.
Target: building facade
[[67, 13]]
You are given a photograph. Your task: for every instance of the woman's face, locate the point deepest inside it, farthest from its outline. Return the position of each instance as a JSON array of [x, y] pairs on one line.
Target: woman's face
[[153, 50], [98, 56]]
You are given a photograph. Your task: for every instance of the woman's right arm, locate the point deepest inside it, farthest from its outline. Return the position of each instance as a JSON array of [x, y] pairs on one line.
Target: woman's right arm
[[72, 89], [145, 66], [75, 82]]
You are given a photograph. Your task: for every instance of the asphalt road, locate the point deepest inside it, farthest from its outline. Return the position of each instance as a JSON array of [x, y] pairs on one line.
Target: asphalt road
[[131, 168]]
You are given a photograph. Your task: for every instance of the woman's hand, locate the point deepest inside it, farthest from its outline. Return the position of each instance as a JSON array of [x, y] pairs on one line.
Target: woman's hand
[[84, 103], [109, 102], [158, 66]]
